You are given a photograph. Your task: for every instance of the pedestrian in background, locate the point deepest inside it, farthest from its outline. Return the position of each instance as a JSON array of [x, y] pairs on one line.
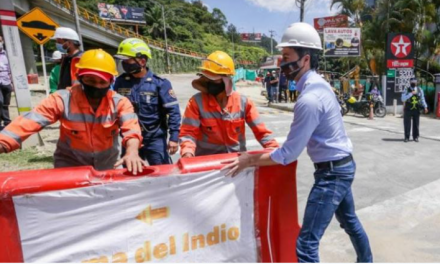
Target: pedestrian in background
[[5, 87], [54, 77], [283, 88], [292, 91], [274, 84], [67, 41], [414, 101], [268, 82]]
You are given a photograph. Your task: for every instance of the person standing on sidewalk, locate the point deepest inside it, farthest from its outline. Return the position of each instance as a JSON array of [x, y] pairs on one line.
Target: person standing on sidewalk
[[283, 88], [54, 77], [67, 41], [292, 91], [268, 82], [5, 87], [318, 125], [275, 90], [414, 101]]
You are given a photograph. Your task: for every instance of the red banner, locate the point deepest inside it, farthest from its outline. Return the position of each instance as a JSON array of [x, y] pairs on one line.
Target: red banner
[[400, 64], [333, 21]]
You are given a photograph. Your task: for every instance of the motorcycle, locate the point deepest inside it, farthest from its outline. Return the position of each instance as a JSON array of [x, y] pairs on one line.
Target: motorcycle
[[358, 107], [379, 107]]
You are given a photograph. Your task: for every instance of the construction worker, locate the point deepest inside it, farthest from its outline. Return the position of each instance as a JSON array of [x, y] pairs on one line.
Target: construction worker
[[154, 100], [214, 119], [414, 101], [318, 124], [91, 118], [67, 41], [54, 76]]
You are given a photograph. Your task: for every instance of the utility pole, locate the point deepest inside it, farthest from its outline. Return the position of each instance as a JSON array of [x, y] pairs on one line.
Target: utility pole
[[78, 28], [166, 39], [300, 4], [271, 40]]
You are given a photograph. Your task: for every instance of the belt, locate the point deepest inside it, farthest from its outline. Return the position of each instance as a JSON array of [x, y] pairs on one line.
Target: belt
[[331, 164]]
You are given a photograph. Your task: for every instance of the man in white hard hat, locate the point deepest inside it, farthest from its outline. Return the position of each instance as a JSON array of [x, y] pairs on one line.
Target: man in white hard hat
[[318, 125], [67, 41], [54, 77]]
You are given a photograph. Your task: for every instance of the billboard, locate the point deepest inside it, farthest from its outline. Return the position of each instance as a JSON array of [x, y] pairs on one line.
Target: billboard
[[120, 13], [250, 37], [332, 21], [342, 42]]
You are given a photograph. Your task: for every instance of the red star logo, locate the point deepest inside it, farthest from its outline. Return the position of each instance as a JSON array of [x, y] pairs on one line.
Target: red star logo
[[401, 46]]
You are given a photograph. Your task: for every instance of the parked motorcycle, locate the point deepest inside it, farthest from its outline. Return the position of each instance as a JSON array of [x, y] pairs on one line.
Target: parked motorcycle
[[358, 107], [379, 107]]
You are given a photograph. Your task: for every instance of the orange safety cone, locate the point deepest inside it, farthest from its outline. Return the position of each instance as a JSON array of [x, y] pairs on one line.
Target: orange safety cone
[[371, 117]]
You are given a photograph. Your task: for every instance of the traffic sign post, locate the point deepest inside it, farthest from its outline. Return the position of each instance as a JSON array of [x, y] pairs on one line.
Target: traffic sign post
[[40, 28], [16, 63]]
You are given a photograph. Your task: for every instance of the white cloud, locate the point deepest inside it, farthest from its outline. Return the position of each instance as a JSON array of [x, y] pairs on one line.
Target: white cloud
[[312, 7]]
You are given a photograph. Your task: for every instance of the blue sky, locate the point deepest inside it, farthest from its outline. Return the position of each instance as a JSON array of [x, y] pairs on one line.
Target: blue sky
[[264, 15]]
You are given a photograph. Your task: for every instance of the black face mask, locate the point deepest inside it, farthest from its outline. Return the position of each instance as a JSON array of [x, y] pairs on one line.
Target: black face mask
[[413, 85], [215, 88], [131, 68], [291, 69], [93, 92]]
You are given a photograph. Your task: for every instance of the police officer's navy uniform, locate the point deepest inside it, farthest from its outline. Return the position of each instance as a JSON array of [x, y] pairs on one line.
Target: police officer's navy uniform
[[158, 110], [413, 104]]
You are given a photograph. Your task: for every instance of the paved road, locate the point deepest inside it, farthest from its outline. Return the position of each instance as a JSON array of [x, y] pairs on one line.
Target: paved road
[[397, 186]]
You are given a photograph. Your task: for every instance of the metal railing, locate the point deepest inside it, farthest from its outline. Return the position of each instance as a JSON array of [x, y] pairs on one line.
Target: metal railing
[[124, 32]]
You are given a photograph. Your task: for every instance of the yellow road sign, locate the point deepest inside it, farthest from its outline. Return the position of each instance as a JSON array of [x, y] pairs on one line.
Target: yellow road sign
[[37, 25]]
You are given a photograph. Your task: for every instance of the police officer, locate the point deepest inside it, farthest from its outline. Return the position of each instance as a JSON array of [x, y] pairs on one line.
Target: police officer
[[154, 100], [318, 125], [414, 100]]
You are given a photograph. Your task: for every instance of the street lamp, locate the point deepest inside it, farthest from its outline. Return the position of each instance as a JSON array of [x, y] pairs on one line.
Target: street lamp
[[165, 34]]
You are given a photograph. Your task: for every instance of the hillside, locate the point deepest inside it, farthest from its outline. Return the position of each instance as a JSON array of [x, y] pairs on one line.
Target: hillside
[[191, 25]]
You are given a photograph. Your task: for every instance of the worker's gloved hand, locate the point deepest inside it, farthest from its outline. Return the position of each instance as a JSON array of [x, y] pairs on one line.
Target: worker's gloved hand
[[133, 162], [172, 147], [188, 155]]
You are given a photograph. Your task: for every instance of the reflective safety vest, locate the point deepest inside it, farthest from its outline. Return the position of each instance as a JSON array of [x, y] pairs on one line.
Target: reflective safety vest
[[207, 129], [86, 137]]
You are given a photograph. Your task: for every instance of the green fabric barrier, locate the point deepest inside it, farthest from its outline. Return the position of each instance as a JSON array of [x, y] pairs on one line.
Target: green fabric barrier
[[243, 74]]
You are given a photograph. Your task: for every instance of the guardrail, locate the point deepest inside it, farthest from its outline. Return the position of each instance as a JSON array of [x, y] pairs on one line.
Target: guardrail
[[124, 32]]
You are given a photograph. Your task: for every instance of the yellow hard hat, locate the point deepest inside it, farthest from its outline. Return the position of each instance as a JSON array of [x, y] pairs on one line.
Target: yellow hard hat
[[218, 62], [133, 48], [97, 60], [352, 100]]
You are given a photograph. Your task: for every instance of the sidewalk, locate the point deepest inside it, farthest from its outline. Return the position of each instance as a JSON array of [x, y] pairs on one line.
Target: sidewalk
[[429, 126]]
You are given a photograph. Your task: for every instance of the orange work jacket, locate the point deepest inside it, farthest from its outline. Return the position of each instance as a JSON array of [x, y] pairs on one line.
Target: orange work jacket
[[207, 129], [86, 137]]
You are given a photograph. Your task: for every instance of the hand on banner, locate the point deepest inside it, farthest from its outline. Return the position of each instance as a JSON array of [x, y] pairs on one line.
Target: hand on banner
[[188, 155], [235, 166], [131, 158], [172, 147]]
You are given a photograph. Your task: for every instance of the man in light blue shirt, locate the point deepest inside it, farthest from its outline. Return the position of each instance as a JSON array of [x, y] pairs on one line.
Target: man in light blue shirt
[[318, 125], [414, 101]]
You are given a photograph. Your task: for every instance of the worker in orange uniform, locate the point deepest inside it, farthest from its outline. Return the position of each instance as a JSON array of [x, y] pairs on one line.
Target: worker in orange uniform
[[91, 118], [214, 119]]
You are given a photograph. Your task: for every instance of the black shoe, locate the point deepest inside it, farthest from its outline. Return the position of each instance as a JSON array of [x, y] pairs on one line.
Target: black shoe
[[416, 139], [406, 140]]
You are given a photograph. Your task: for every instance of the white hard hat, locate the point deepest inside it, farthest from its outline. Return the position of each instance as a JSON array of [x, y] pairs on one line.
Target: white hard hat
[[65, 33], [56, 55], [301, 35]]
